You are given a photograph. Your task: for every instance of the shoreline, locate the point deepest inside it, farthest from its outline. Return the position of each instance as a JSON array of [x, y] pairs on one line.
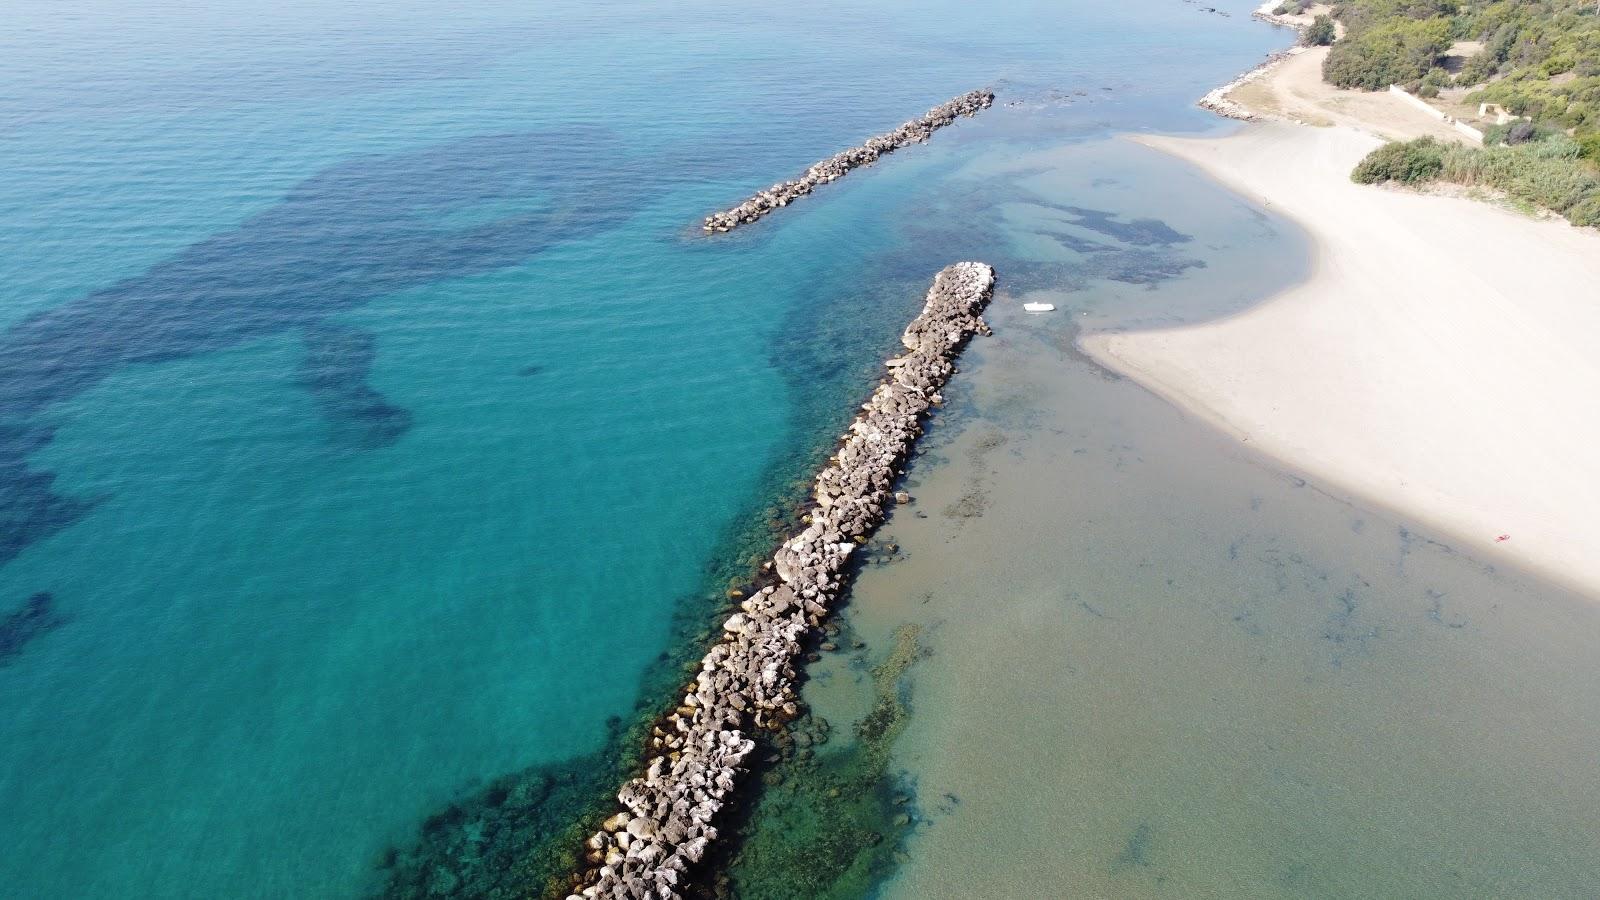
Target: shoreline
[[1288, 86], [1218, 101], [1150, 610], [1407, 370]]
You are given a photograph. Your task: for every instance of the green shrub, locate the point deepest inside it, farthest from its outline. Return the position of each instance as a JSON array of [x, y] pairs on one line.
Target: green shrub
[[1526, 44], [1320, 34], [1589, 147], [1520, 131], [1395, 52], [1411, 162], [1585, 212], [1480, 68], [1548, 173], [1555, 146], [1555, 65]]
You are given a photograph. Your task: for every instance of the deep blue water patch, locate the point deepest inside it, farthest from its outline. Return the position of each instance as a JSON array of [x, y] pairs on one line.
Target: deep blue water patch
[[334, 369], [1138, 232], [36, 617], [959, 223], [357, 231]]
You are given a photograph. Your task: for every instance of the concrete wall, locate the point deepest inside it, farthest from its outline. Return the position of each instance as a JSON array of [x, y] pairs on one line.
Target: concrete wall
[[1428, 108]]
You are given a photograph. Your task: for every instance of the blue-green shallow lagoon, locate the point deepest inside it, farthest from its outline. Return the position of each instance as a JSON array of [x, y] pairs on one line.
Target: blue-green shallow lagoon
[[369, 400]]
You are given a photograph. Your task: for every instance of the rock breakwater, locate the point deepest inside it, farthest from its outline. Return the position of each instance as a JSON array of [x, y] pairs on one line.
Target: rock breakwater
[[747, 681], [839, 165]]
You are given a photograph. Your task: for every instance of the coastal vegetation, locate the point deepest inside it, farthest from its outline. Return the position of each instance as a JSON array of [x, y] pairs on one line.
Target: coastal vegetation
[[1547, 173], [1411, 162], [1392, 51], [1539, 59], [1320, 33]]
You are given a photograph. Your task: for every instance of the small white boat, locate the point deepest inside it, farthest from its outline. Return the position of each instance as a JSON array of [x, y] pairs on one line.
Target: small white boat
[[1039, 307]]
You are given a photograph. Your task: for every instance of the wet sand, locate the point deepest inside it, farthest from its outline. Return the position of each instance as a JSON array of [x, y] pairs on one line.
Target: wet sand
[[1158, 666], [1438, 359]]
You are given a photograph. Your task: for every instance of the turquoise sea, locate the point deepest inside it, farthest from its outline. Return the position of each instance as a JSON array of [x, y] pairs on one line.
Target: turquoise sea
[[372, 408]]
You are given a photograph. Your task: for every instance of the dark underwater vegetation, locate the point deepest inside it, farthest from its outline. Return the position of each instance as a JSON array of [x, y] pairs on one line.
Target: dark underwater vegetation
[[357, 231], [36, 616]]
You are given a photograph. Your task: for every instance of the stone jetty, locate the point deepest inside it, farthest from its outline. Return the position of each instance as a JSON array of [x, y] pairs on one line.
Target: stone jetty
[[746, 682], [839, 165]]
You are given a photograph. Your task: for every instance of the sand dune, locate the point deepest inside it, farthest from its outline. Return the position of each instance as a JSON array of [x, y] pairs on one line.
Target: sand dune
[[1440, 359]]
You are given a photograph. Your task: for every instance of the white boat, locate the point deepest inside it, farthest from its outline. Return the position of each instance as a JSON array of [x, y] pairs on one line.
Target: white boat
[[1039, 307]]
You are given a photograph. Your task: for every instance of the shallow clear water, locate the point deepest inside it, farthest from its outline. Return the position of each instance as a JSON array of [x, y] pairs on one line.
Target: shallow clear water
[[369, 402], [1154, 664]]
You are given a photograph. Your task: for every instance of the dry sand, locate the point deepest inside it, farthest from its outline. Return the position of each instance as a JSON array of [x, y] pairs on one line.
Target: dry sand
[[1294, 90], [1439, 359]]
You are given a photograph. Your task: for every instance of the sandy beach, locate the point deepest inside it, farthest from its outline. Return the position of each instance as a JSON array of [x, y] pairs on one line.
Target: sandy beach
[[1438, 359]]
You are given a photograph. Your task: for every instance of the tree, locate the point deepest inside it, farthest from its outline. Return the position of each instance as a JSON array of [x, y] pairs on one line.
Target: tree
[[1399, 51], [1521, 132], [1413, 162], [1320, 33]]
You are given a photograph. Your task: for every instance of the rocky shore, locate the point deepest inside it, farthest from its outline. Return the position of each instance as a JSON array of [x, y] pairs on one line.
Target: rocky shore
[[1218, 101], [1265, 14], [839, 165], [746, 682]]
